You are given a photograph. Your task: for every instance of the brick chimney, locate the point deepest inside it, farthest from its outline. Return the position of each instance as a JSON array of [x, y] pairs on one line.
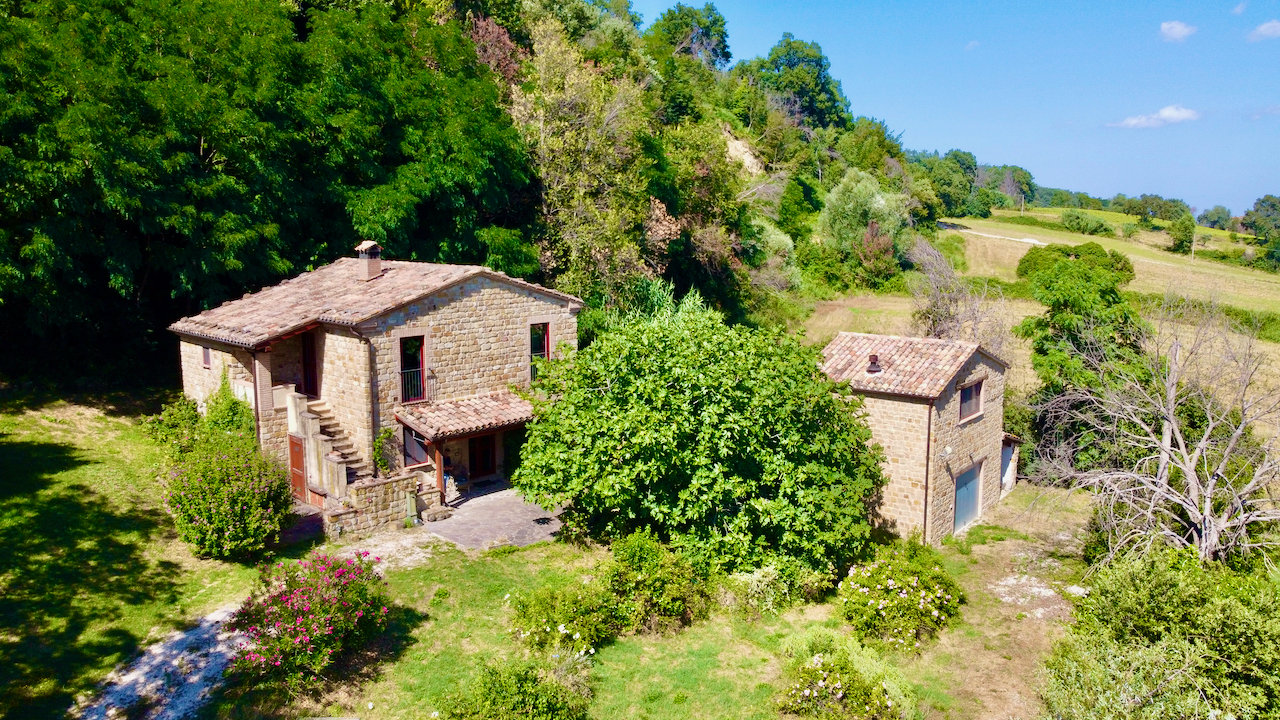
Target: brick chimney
[[370, 265]]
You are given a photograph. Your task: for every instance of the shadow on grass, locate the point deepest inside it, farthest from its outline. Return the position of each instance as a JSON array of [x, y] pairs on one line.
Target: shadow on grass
[[17, 397], [70, 565], [241, 698]]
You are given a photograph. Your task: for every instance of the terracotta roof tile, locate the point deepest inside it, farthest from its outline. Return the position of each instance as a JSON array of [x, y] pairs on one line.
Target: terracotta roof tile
[[918, 367], [336, 293], [438, 421]]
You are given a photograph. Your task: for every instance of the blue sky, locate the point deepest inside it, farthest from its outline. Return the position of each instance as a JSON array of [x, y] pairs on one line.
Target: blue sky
[[1181, 99]]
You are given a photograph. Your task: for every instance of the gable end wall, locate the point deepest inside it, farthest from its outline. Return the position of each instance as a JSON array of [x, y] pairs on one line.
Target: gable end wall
[[977, 439]]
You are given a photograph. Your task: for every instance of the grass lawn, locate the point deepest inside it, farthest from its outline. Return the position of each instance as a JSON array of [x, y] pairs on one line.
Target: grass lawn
[[92, 568], [726, 666]]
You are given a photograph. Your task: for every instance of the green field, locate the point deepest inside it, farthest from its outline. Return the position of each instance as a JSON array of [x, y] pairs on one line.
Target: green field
[[92, 569]]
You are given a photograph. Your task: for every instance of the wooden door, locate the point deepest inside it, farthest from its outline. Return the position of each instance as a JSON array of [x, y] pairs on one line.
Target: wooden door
[[310, 378], [967, 499], [481, 452], [297, 467]]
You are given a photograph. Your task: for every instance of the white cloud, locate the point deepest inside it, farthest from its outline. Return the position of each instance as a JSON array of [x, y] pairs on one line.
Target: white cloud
[[972, 44], [1176, 30], [1166, 115], [1264, 112], [1265, 31], [1239, 8]]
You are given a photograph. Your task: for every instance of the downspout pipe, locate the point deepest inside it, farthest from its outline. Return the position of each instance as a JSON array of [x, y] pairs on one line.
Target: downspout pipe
[[928, 468]]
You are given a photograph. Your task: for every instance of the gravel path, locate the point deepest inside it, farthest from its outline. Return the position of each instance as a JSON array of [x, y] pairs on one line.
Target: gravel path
[[175, 677], [172, 679]]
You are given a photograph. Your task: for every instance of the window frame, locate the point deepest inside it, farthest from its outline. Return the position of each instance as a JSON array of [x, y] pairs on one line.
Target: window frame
[[206, 357], [422, 366], [546, 345], [981, 405]]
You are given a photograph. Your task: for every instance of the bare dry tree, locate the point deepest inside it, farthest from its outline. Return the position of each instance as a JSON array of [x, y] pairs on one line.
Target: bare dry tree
[[947, 306], [1185, 415]]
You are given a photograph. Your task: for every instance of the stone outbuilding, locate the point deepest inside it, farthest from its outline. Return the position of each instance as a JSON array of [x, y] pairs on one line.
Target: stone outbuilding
[[936, 408], [363, 356]]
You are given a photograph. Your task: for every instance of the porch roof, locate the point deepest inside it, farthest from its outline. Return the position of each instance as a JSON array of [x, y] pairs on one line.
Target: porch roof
[[459, 418]]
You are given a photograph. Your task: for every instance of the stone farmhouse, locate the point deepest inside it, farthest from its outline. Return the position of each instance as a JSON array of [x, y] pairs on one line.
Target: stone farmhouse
[[333, 359], [936, 407]]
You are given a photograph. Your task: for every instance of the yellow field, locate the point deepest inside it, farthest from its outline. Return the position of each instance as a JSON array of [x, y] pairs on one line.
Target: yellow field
[[994, 248]]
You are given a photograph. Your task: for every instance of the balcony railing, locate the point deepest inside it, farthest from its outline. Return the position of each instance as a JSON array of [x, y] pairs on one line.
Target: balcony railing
[[417, 385]]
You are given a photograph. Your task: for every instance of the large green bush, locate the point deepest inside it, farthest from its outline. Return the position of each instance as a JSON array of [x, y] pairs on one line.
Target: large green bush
[[515, 691], [1162, 635], [304, 615], [901, 597], [228, 500], [644, 586], [1085, 223], [832, 676], [1090, 255], [728, 442]]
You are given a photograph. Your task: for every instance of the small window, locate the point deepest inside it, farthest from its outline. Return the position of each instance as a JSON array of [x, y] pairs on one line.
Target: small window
[[970, 400], [415, 448], [539, 341], [206, 357]]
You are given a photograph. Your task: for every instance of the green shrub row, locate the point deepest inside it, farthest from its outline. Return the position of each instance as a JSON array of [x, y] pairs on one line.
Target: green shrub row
[[644, 587], [1086, 224]]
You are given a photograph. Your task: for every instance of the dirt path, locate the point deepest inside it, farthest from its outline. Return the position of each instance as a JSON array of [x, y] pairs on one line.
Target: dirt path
[[175, 677], [172, 679], [1018, 591]]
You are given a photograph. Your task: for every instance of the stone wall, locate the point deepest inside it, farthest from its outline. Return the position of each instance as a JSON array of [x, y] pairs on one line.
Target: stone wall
[[977, 439], [199, 382], [900, 426], [476, 337], [286, 362], [374, 503], [273, 433], [343, 369]]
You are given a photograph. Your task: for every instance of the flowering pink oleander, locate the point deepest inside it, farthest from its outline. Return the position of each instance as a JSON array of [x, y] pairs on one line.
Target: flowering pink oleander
[[303, 615]]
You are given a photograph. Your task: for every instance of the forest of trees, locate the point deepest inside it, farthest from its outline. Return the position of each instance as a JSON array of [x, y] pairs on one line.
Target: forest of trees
[[158, 158]]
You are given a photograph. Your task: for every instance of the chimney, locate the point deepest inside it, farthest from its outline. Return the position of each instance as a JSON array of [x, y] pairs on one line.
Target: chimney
[[874, 366], [370, 254]]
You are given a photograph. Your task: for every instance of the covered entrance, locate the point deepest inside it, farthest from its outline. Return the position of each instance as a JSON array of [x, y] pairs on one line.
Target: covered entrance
[[460, 439]]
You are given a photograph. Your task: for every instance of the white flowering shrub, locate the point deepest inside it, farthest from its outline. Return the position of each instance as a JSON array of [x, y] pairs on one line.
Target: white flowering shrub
[[902, 597], [576, 619], [833, 676]]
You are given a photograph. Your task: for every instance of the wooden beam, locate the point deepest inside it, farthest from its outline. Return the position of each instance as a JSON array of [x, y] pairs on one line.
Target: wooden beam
[[438, 446]]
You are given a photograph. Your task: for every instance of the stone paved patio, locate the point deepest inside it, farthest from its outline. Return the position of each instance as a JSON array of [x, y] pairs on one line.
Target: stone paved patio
[[498, 517]]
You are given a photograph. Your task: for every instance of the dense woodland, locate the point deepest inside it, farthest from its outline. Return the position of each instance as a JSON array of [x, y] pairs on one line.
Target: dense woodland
[[158, 158]]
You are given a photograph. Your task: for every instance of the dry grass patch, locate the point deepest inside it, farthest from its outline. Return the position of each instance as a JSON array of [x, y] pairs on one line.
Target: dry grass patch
[[985, 666]]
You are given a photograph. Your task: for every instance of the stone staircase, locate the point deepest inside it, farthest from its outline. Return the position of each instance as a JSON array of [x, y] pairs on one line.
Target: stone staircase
[[357, 467]]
